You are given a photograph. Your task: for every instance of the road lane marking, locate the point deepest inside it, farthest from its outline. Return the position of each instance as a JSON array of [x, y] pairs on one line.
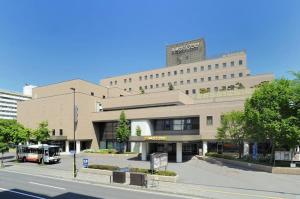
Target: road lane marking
[[148, 191], [45, 185], [20, 193]]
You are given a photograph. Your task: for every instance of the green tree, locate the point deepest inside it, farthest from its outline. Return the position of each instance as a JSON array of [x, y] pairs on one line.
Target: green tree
[[138, 131], [233, 128], [3, 148], [4, 137], [271, 115], [123, 131], [171, 87], [41, 134]]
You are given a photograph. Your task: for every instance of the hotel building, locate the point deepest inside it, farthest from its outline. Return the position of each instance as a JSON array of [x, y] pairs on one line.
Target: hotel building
[[178, 107]]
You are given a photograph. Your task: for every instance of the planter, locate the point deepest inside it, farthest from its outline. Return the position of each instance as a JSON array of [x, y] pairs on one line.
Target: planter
[[119, 177], [138, 179], [96, 171]]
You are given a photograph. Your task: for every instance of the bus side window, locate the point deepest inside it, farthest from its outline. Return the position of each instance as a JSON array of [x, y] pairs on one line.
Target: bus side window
[[46, 152]]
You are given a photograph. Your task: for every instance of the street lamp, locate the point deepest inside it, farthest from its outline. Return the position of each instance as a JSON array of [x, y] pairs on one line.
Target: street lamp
[[74, 129]]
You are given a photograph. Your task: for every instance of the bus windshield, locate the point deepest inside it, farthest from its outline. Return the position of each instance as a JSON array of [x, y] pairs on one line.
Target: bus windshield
[[53, 151]]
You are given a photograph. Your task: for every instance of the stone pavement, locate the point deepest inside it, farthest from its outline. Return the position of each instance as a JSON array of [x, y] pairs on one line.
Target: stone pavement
[[195, 190]]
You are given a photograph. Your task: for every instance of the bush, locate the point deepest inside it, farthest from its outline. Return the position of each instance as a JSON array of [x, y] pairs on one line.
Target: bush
[[104, 167], [101, 151], [217, 155], [148, 171]]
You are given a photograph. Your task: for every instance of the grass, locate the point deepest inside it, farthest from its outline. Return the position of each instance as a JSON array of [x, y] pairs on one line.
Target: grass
[[261, 160], [136, 170]]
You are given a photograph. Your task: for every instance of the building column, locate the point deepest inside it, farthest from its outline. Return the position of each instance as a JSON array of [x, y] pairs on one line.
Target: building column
[[246, 148], [204, 147], [67, 147], [298, 149], [144, 151], [78, 146], [178, 152], [39, 142]]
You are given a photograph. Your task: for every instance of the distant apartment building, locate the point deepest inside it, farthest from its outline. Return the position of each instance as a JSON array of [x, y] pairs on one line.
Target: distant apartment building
[[9, 100], [178, 107]]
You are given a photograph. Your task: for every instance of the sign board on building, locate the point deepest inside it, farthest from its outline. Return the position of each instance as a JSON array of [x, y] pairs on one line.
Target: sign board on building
[[158, 160], [155, 138], [185, 52]]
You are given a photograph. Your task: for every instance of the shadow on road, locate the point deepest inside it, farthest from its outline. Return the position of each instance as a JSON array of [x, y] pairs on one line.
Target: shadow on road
[[21, 194]]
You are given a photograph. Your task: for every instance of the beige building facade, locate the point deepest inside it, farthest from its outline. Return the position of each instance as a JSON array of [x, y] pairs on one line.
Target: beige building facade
[[178, 108]]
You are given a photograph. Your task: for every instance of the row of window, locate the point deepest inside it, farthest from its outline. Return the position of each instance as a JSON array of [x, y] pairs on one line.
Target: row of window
[[1, 106], [5, 111], [60, 132], [177, 124], [216, 89], [175, 83], [175, 72], [5, 102]]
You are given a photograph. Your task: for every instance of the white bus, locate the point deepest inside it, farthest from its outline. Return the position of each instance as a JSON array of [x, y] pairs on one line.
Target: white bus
[[42, 153]]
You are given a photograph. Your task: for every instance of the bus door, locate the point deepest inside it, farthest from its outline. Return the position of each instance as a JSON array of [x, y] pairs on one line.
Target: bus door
[[46, 155]]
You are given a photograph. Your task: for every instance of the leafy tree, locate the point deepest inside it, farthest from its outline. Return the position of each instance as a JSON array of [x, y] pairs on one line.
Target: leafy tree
[[123, 131], [142, 91], [271, 115], [4, 137], [171, 87], [41, 134], [3, 148], [233, 128], [138, 131]]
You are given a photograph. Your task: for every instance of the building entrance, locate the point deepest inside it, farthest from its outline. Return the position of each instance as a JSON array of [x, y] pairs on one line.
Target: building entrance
[[169, 148]]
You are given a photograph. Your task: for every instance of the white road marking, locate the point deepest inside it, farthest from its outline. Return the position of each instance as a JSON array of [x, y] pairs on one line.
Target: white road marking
[[20, 193], [176, 195], [45, 185]]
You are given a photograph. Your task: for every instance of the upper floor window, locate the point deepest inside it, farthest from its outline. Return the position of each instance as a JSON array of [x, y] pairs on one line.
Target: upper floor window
[[194, 91], [224, 76], [116, 82], [240, 62], [163, 85], [157, 75], [130, 80], [202, 68], [224, 65], [187, 92], [175, 72], [195, 80], [181, 71], [209, 67], [169, 73], [216, 66], [181, 82], [151, 86], [145, 77], [140, 78], [232, 63], [202, 79], [232, 75], [60, 132], [151, 76], [216, 89], [157, 85], [125, 80], [129, 89], [53, 132], [175, 83], [217, 77], [240, 74], [146, 87], [111, 83], [92, 94], [188, 70], [188, 81], [209, 78], [163, 74], [209, 120], [195, 69]]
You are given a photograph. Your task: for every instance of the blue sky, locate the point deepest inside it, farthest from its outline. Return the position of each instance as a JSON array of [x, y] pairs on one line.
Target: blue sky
[[43, 42]]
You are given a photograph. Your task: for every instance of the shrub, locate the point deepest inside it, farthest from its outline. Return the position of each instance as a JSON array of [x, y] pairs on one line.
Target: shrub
[[104, 167], [217, 155], [148, 171], [101, 151]]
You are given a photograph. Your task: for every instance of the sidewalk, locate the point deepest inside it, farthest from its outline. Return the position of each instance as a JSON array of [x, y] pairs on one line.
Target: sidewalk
[[165, 187]]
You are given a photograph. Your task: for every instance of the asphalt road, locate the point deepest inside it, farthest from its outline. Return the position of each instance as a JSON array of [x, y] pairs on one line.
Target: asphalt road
[[13, 185]]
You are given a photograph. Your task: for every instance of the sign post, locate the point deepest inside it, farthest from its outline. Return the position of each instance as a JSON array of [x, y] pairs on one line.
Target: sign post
[[85, 163]]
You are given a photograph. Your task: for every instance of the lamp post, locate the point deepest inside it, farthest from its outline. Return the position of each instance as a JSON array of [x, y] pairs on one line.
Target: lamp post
[[74, 129]]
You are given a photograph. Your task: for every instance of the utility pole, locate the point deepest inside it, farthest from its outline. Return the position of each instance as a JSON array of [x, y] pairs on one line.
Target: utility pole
[[74, 129]]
